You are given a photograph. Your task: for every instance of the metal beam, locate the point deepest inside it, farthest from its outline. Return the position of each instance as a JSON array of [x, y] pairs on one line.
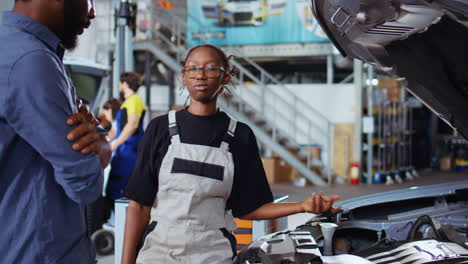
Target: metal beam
[[148, 78], [370, 134], [123, 46], [282, 50], [358, 85]]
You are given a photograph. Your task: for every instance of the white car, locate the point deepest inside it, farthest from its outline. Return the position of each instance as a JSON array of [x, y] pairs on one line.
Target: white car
[[416, 225], [243, 12]]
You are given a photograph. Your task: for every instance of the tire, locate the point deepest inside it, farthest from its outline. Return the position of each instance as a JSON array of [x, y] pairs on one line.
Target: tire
[[103, 241]]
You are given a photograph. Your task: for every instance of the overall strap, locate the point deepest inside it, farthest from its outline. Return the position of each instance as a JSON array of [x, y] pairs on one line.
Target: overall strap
[[173, 127], [229, 135]]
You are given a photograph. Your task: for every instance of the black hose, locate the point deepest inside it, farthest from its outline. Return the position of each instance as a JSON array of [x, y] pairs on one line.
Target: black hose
[[426, 220]]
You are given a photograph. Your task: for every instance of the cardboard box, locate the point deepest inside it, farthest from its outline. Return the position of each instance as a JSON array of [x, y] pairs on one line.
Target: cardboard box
[[393, 88], [315, 151], [269, 167], [343, 149], [446, 163], [276, 170], [284, 171]]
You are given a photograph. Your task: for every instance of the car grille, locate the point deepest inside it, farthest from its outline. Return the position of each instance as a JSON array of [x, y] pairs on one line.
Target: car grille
[[243, 16]]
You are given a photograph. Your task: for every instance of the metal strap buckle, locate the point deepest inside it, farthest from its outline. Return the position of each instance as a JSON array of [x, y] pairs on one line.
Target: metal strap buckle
[[340, 14]]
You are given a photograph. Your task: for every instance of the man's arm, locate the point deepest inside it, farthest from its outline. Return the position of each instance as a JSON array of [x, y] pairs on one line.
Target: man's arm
[[128, 130], [86, 136], [38, 106]]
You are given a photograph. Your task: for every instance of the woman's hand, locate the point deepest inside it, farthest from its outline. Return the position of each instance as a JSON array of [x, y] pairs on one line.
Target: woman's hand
[[318, 203]]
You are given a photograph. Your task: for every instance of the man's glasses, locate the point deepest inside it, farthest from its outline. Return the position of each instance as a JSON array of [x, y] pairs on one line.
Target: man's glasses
[[208, 71]]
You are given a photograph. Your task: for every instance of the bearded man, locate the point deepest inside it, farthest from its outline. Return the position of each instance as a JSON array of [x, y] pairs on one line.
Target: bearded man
[[51, 152]]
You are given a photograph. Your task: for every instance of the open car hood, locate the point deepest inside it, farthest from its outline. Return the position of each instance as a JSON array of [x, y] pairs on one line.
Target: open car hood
[[395, 211], [412, 193], [426, 224], [423, 41]]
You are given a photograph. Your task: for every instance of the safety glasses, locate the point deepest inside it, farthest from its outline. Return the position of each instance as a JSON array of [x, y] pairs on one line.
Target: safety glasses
[[208, 71]]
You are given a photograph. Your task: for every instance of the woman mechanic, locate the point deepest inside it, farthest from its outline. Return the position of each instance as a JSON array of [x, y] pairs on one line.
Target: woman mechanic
[[194, 167]]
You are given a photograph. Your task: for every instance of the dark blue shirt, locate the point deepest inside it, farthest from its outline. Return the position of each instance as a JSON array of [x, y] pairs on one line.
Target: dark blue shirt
[[44, 183]]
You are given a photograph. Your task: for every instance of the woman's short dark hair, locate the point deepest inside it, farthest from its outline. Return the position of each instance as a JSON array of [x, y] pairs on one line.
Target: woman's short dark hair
[[113, 104], [133, 80]]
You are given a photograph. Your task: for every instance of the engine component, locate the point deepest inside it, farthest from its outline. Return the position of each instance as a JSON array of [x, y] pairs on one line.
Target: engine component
[[422, 251], [282, 247], [426, 227]]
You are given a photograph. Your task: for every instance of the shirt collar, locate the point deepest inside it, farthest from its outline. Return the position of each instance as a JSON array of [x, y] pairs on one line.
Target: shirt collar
[[35, 28]]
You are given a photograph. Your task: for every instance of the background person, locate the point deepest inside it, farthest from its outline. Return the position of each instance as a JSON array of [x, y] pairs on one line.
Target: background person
[[108, 116], [129, 133]]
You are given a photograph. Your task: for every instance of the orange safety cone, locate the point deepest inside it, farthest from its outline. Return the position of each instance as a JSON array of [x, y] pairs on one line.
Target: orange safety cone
[[354, 174]]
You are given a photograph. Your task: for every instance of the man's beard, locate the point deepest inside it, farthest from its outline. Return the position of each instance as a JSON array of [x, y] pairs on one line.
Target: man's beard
[[73, 23]]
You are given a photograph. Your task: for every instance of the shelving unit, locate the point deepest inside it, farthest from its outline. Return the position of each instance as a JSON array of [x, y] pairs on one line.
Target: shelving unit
[[387, 124]]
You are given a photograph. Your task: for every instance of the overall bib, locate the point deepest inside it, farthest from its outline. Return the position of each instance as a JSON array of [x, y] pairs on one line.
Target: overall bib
[[123, 160], [189, 220]]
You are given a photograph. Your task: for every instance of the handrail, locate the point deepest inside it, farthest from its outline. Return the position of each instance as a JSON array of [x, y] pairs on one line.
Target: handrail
[[275, 80], [277, 148], [283, 117], [282, 99]]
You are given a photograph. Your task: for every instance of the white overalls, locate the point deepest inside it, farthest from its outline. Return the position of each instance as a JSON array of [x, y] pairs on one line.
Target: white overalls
[[189, 214]]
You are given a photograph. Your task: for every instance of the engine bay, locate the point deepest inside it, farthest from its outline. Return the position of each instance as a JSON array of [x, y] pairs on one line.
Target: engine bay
[[428, 225], [428, 242]]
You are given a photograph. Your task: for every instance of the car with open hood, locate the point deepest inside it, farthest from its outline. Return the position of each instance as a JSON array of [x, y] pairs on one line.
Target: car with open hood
[[427, 224], [425, 44]]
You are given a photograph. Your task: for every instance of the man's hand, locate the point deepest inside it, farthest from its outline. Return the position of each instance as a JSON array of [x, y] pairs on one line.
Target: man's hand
[[318, 203], [85, 136]]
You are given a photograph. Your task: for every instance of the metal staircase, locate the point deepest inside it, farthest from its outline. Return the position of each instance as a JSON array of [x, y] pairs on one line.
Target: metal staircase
[[281, 121]]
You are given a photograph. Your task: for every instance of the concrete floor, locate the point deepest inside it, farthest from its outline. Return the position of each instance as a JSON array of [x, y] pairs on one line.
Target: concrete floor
[[345, 191]]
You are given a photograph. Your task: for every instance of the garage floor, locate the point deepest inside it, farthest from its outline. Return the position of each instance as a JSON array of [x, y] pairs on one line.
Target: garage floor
[[346, 191]]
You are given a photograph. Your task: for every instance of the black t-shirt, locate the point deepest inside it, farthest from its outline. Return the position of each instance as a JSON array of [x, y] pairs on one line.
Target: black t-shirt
[[250, 188]]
